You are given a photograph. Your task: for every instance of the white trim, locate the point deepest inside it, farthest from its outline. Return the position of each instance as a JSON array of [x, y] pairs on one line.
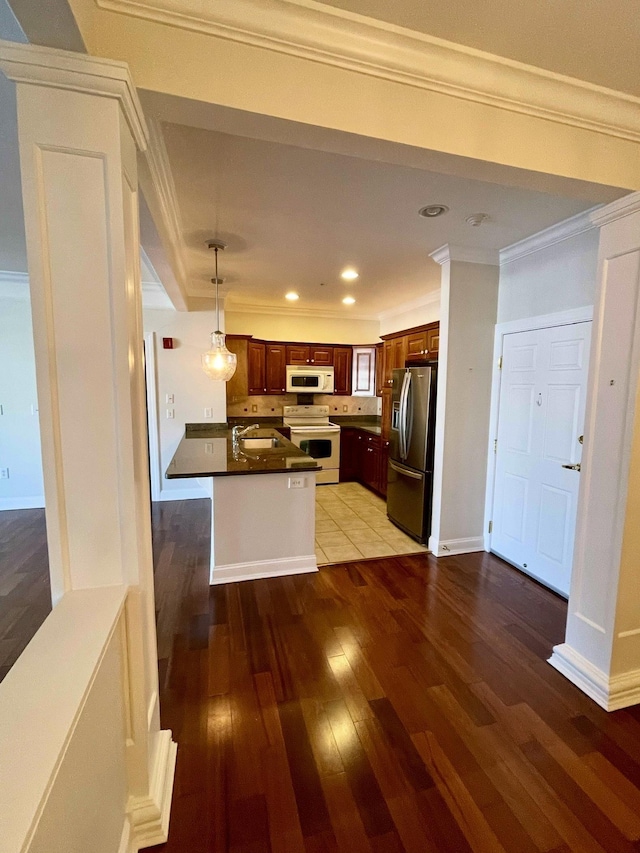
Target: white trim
[[76, 72], [467, 254], [125, 838], [578, 224], [14, 285], [452, 547], [335, 37], [149, 816], [280, 311], [235, 572], [36, 502], [618, 691], [185, 494], [161, 176], [526, 324], [412, 305], [153, 417], [624, 206]]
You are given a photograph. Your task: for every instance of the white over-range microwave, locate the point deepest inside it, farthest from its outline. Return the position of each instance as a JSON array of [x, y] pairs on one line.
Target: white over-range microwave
[[309, 380]]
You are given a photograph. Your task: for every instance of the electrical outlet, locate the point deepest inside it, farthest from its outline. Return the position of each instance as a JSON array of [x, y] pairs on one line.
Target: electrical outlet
[[297, 482], [208, 413], [208, 447], [254, 408], [345, 408], [170, 413], [4, 473], [170, 398]]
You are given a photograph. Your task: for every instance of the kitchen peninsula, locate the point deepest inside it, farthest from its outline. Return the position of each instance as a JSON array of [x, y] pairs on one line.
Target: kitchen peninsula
[[262, 490]]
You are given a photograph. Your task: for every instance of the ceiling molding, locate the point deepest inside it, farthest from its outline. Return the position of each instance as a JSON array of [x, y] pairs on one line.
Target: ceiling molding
[[166, 202], [468, 254], [14, 285], [314, 31], [624, 206], [412, 305], [285, 311], [578, 224], [76, 72]]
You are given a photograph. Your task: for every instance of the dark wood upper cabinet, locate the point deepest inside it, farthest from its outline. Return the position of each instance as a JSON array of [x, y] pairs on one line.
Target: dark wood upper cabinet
[[321, 356], [416, 345], [257, 368], [276, 368], [433, 340], [379, 369], [297, 354], [342, 360]]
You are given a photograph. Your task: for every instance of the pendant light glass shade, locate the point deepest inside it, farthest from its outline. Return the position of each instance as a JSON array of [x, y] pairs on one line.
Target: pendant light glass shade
[[218, 363]]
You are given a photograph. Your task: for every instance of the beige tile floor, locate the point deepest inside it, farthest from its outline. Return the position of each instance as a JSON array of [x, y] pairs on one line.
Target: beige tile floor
[[352, 523]]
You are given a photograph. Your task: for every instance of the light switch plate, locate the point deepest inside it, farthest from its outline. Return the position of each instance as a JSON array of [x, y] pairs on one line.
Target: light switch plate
[[170, 413], [208, 413], [170, 398], [4, 473]]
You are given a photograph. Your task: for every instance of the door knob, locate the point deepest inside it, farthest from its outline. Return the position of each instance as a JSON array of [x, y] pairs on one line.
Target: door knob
[[575, 467]]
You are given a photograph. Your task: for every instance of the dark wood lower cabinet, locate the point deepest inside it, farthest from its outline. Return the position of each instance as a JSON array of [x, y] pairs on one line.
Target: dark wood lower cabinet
[[363, 458]]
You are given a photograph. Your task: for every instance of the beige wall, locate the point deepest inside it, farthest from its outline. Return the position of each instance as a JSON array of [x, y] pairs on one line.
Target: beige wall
[[292, 327]]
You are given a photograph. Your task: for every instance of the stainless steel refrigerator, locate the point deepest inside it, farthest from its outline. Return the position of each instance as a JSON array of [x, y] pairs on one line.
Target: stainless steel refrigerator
[[410, 475]]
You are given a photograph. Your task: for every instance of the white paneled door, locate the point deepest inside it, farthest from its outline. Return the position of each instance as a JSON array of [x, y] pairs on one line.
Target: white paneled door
[[538, 451]]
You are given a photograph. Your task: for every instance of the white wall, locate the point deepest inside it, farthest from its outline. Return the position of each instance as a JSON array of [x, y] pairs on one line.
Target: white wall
[[422, 311], [556, 278], [296, 327], [179, 372], [19, 427]]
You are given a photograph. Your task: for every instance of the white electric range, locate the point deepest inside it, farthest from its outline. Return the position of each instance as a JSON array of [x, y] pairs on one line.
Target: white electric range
[[313, 433]]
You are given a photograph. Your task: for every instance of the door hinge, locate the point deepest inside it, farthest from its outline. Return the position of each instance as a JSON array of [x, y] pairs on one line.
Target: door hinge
[[495, 445], [500, 363], [491, 527]]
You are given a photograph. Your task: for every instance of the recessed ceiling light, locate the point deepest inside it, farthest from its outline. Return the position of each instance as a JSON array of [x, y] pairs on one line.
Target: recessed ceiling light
[[349, 274], [348, 300], [433, 210], [291, 296]]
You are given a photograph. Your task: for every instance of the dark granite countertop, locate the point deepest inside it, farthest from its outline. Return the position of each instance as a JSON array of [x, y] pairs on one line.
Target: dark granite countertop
[[206, 450], [368, 423]]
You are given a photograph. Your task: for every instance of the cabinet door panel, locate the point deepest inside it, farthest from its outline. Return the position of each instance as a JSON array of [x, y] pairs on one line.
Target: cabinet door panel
[[321, 356], [257, 377], [379, 369], [433, 340], [416, 344], [276, 368], [387, 357], [342, 357], [399, 351], [297, 354]]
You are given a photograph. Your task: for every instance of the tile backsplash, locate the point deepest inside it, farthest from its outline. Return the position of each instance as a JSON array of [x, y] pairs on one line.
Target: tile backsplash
[[239, 407]]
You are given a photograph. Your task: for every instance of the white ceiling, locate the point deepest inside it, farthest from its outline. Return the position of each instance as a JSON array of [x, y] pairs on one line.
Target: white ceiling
[[594, 40], [295, 217]]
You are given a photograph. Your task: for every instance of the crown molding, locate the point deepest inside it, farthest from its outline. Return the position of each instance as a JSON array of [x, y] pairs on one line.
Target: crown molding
[[468, 254], [248, 308], [624, 206], [578, 224], [411, 305], [76, 72], [14, 285], [314, 31]]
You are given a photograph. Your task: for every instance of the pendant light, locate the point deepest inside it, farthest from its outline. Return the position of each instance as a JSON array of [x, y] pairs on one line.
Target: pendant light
[[218, 362]]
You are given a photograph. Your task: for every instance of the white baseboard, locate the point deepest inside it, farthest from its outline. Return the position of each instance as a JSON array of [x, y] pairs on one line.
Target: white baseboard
[[451, 547], [183, 494], [610, 692], [149, 816], [263, 569], [36, 502]]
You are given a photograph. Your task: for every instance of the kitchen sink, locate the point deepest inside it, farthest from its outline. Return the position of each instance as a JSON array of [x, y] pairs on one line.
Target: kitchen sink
[[259, 443]]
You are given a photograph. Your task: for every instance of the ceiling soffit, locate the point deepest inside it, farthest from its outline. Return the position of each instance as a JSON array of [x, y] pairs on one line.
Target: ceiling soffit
[[336, 37]]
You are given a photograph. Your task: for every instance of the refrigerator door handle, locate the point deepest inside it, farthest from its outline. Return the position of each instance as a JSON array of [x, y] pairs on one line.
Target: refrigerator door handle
[[402, 426], [404, 471]]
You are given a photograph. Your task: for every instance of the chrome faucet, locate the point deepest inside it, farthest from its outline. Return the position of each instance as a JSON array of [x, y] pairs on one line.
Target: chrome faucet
[[238, 432]]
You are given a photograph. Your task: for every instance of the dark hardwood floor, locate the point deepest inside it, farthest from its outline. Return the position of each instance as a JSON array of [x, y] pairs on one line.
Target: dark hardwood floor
[[390, 705], [25, 591]]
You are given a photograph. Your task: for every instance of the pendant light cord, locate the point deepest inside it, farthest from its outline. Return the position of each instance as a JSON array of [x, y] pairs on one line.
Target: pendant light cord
[[217, 298]]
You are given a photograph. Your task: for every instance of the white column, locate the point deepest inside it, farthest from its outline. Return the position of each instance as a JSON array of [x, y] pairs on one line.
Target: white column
[[601, 653], [80, 128], [468, 310]]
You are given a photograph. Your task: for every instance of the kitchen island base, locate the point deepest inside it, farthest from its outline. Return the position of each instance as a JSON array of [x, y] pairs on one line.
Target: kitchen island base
[[262, 526]]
